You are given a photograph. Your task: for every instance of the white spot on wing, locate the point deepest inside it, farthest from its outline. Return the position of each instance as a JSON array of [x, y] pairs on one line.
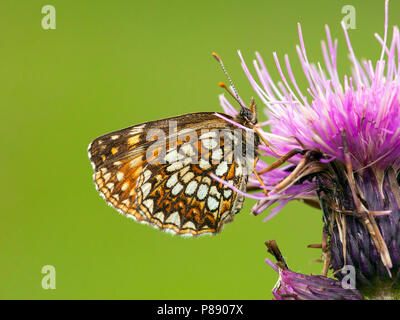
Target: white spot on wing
[[149, 204], [175, 166], [203, 164], [120, 175], [172, 180], [227, 193], [202, 192], [221, 169], [191, 187], [207, 180], [107, 176], [178, 188], [147, 175], [187, 160], [207, 135], [214, 192], [125, 186], [173, 156], [187, 177], [174, 218], [217, 155], [209, 143], [160, 216], [146, 189], [184, 170], [212, 203], [187, 150], [189, 225]]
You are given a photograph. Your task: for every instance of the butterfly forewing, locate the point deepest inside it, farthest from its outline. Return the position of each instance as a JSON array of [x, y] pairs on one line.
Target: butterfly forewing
[[160, 172]]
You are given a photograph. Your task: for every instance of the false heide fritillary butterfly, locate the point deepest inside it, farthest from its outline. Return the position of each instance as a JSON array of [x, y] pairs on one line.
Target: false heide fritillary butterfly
[[163, 172]]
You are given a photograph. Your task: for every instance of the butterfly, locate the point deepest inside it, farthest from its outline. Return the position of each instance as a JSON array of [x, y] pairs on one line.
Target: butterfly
[[163, 172]]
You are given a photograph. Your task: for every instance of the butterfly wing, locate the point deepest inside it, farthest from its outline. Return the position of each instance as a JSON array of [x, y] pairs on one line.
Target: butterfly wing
[[153, 173]]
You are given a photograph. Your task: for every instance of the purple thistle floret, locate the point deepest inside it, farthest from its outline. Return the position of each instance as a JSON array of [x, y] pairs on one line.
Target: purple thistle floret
[[346, 131]]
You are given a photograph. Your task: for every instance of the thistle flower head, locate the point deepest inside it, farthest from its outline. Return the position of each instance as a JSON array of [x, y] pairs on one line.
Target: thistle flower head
[[341, 140], [296, 286], [358, 112], [364, 105]]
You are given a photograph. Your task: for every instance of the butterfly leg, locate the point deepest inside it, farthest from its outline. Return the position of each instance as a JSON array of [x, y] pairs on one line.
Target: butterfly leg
[[273, 166], [280, 161], [267, 143], [258, 176]]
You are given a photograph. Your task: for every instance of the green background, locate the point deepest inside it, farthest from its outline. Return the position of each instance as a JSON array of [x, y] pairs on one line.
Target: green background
[[112, 64]]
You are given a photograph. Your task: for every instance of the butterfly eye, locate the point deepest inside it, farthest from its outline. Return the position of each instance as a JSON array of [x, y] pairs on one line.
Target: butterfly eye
[[246, 114]]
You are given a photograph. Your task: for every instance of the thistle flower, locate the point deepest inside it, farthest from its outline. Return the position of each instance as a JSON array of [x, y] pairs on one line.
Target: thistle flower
[[342, 142], [296, 286]]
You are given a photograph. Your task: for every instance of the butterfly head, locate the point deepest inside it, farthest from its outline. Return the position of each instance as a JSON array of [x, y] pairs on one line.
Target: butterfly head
[[247, 115]]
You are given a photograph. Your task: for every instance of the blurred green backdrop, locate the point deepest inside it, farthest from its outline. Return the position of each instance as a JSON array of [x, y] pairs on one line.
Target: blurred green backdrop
[[112, 64]]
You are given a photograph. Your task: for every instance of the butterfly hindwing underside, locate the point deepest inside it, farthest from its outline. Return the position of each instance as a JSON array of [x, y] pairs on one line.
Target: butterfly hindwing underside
[[177, 194]]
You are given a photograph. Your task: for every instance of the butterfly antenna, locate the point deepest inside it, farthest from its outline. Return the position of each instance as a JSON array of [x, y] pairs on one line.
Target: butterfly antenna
[[221, 84]]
